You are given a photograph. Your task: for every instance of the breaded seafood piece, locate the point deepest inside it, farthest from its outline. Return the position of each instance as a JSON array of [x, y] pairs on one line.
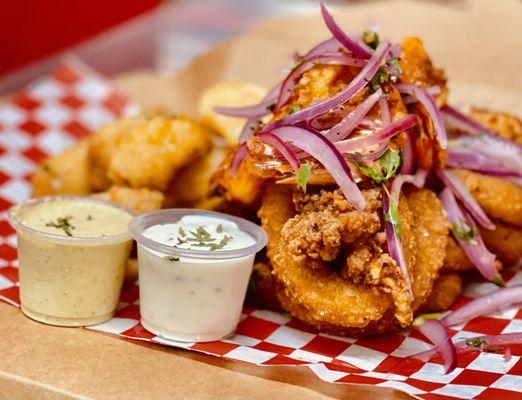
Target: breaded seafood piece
[[445, 291], [140, 200], [103, 144], [456, 260], [503, 124], [66, 173], [191, 185], [505, 242], [155, 150], [498, 197]]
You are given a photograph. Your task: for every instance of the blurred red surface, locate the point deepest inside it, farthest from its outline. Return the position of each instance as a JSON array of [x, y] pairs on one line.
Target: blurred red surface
[[33, 29]]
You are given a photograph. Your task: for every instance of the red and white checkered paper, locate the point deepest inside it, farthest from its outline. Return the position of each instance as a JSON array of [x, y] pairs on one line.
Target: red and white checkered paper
[[57, 111]]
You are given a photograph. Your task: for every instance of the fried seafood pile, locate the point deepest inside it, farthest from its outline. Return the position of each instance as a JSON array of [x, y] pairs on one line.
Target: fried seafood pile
[[430, 193]]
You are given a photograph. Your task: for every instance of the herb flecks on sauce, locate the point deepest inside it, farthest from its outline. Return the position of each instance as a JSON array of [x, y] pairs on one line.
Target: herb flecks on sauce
[[202, 238], [62, 223]]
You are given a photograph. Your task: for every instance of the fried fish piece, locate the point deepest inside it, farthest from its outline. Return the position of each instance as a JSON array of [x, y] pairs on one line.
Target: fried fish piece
[[445, 291], [503, 124], [154, 151], [140, 200], [505, 242], [456, 260], [498, 197], [66, 173]]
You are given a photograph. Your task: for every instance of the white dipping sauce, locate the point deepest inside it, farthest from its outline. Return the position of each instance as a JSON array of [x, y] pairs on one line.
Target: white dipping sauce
[[193, 299]]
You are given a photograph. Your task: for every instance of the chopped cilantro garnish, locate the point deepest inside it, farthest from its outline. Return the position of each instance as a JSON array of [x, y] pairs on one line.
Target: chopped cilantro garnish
[[464, 232], [171, 258], [62, 223], [293, 108], [302, 175], [383, 168], [181, 232], [202, 238], [371, 38], [89, 217]]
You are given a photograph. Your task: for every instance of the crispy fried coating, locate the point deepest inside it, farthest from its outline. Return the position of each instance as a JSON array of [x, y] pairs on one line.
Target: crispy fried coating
[[66, 173], [431, 232], [445, 291], [498, 197], [154, 151], [262, 288], [505, 242], [456, 260], [103, 144], [192, 184], [504, 125], [140, 200]]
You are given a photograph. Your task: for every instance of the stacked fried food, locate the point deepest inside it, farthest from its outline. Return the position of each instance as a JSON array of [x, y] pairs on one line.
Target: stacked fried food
[[367, 262]]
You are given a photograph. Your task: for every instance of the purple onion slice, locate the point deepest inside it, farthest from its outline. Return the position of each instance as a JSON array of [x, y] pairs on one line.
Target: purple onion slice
[[281, 147], [439, 336]]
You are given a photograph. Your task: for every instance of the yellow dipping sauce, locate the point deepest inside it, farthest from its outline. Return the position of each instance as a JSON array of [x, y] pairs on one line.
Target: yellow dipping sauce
[[72, 254]]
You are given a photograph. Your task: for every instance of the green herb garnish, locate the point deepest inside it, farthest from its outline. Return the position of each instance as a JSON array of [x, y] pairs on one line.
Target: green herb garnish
[[62, 223], [182, 232], [293, 108], [383, 168], [202, 238], [171, 258], [371, 38], [481, 344], [216, 246], [464, 232], [302, 175], [89, 217]]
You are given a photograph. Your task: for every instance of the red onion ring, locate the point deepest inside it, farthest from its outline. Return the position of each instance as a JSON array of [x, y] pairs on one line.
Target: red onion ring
[[461, 191], [342, 37], [281, 147], [408, 155], [354, 87], [326, 47], [495, 301], [463, 157], [291, 79], [418, 180], [325, 152], [343, 129], [477, 251], [394, 244], [386, 133], [439, 336], [431, 107], [456, 120], [385, 111], [368, 156]]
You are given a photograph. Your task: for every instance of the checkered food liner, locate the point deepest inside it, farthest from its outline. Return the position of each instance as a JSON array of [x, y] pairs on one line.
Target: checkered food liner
[[58, 110]]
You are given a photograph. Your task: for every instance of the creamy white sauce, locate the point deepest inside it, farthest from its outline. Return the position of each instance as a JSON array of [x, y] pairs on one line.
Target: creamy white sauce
[[192, 299], [183, 234]]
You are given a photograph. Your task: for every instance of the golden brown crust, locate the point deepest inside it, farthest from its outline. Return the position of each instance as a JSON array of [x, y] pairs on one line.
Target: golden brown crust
[[445, 291], [456, 260], [139, 200], [505, 242], [503, 124], [498, 197]]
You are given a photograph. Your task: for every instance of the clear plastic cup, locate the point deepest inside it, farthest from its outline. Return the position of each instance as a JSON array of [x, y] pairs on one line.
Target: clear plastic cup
[[69, 280], [199, 297]]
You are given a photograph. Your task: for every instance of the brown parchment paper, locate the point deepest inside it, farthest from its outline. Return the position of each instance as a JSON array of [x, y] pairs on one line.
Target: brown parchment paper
[[478, 42]]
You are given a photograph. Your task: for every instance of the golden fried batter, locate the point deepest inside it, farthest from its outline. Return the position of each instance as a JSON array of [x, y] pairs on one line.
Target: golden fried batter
[[502, 124], [140, 200], [498, 197], [445, 291], [456, 260], [505, 242]]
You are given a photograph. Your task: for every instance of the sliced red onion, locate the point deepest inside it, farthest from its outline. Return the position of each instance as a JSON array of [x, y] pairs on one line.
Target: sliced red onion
[[439, 336], [385, 111], [456, 120], [502, 150], [463, 157], [325, 152], [432, 90], [308, 63], [431, 107], [342, 37], [418, 180], [496, 301], [343, 129], [408, 155], [463, 347], [281, 147], [255, 111], [354, 87], [381, 149], [329, 46], [386, 133], [394, 244], [240, 154], [460, 190], [395, 50], [367, 123], [507, 354], [475, 250]]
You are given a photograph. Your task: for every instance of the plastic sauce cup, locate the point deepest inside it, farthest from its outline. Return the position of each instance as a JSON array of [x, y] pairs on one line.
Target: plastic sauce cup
[[192, 295], [71, 280]]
